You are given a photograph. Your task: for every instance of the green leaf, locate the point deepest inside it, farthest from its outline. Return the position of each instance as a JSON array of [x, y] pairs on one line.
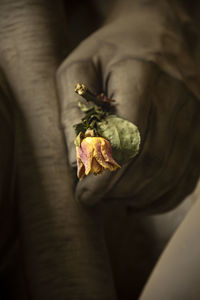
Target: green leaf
[[79, 128], [123, 136], [92, 116]]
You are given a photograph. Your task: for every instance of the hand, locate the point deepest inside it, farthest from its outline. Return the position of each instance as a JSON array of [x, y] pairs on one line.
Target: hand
[[128, 62]]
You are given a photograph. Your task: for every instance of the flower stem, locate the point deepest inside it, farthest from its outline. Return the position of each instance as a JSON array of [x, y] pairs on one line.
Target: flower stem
[[83, 91]]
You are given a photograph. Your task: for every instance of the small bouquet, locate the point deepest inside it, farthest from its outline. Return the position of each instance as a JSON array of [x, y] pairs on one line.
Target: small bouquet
[[103, 140]]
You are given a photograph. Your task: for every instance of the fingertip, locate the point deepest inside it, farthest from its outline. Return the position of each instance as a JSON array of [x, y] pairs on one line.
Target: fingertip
[[86, 195], [92, 188]]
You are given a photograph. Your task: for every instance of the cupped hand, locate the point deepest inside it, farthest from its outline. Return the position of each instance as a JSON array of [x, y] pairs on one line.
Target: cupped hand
[[160, 105]]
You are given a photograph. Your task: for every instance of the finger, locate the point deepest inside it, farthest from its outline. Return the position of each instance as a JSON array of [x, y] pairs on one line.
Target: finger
[[168, 150], [68, 76], [128, 83]]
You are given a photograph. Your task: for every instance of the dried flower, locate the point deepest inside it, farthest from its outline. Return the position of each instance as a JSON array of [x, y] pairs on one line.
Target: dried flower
[[94, 156], [99, 133]]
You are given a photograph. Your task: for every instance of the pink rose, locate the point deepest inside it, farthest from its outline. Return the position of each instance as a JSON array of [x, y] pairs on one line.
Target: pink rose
[[94, 156]]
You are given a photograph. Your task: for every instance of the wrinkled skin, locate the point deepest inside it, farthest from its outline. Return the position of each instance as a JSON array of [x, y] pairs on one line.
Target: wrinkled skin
[[62, 242], [135, 64]]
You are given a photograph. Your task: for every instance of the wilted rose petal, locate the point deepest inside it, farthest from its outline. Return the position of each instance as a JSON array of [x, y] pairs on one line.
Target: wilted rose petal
[[94, 156], [80, 165], [96, 167]]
